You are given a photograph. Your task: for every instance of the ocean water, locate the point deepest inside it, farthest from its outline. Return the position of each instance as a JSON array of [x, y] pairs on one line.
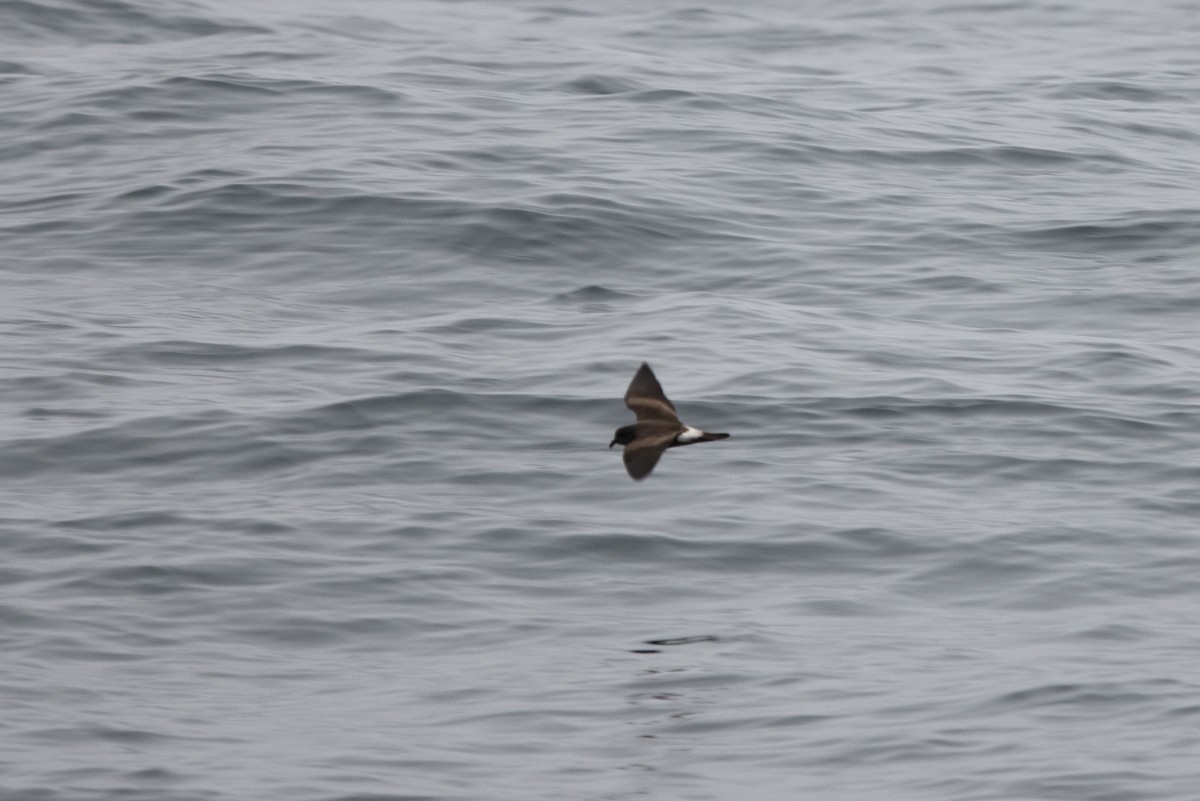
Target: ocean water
[[315, 321]]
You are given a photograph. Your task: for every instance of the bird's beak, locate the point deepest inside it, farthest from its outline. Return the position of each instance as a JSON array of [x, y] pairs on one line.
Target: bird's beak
[[614, 442]]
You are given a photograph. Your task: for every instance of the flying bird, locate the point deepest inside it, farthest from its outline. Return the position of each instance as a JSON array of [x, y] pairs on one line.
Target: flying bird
[[657, 427]]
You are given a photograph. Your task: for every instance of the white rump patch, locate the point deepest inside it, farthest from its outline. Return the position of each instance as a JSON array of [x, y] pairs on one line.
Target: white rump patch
[[689, 436]]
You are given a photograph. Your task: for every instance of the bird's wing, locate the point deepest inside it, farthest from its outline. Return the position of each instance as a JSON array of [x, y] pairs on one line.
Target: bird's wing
[[642, 454], [645, 397]]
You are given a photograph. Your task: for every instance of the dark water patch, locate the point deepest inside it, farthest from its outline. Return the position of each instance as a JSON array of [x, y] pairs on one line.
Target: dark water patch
[[501, 158], [884, 407], [826, 607], [162, 520], [681, 97], [496, 326], [164, 579], [111, 21], [1090, 356], [1115, 632], [211, 87], [689, 640], [209, 175], [1032, 468], [174, 354], [221, 85], [1169, 230], [1094, 586], [1092, 699], [109, 733], [280, 627], [962, 284], [352, 94], [200, 101], [151, 193], [592, 298], [1157, 130], [154, 775], [569, 227], [388, 796], [602, 85], [1187, 711], [1176, 502], [427, 406], [1114, 91], [14, 618], [958, 157], [976, 576], [49, 413], [69, 121], [1090, 785], [248, 202], [165, 448], [560, 230], [552, 12], [15, 68], [92, 649], [863, 551], [357, 27], [958, 10], [350, 415]]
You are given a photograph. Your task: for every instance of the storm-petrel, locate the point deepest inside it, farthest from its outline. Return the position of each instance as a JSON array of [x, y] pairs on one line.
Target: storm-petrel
[[657, 427]]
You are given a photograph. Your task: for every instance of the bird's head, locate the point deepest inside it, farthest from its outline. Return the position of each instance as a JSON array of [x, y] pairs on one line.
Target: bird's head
[[623, 435]]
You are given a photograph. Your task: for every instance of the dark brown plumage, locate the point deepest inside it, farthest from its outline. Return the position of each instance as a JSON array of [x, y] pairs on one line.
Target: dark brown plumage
[[657, 427]]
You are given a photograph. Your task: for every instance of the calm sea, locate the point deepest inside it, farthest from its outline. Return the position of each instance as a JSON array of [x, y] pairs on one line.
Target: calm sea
[[315, 320]]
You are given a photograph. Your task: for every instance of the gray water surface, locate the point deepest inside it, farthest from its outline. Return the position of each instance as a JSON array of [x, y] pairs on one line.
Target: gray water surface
[[315, 323]]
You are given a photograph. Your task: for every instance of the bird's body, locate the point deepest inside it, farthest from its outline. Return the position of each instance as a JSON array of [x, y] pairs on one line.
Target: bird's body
[[657, 427]]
